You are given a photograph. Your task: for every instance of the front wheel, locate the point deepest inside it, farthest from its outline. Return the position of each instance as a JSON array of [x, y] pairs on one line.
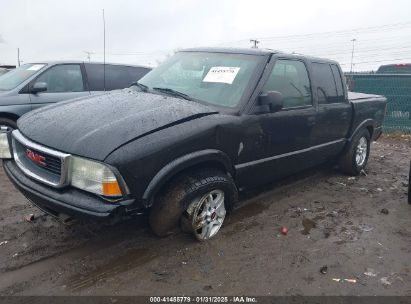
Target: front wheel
[[356, 157], [197, 201], [205, 215]]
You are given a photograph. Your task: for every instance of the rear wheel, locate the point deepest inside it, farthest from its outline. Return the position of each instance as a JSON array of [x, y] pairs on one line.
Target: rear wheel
[[356, 157], [8, 123], [197, 201]]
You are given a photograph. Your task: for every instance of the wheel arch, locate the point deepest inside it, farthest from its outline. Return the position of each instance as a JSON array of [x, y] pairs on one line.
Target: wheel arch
[[366, 124], [200, 159], [9, 115]]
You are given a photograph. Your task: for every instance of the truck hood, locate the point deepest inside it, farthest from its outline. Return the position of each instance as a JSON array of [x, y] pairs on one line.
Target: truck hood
[[93, 127]]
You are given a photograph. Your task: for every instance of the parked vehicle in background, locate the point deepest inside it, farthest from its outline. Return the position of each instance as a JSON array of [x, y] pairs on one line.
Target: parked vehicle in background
[[399, 68], [6, 68], [3, 71], [188, 135], [38, 84]]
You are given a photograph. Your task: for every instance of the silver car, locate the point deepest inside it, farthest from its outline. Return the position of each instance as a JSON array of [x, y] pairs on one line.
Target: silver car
[[38, 84]]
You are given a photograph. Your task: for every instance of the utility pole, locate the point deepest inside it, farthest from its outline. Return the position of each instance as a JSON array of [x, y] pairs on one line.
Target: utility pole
[[255, 42], [352, 53], [18, 56], [88, 55]]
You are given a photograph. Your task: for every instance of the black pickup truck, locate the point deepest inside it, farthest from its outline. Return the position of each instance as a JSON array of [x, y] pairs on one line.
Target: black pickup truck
[[184, 139]]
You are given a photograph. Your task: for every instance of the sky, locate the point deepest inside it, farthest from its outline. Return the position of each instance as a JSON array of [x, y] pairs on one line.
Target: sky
[[146, 32]]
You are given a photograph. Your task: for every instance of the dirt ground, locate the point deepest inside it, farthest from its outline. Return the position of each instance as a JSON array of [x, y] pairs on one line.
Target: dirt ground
[[335, 224]]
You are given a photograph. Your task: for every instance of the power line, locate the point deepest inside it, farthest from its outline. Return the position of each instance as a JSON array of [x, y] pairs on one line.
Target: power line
[[382, 60], [347, 32]]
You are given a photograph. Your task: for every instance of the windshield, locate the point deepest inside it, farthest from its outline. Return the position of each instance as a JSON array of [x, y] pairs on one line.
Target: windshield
[[215, 78], [17, 76]]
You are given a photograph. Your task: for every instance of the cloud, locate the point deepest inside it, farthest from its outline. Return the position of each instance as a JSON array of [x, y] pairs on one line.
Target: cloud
[[2, 40], [144, 32]]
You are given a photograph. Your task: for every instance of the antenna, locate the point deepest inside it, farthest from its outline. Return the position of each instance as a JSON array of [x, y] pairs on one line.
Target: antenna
[[104, 52], [18, 56]]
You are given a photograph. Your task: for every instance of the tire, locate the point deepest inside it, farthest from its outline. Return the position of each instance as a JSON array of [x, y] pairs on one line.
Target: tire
[[8, 123], [351, 162], [177, 201]]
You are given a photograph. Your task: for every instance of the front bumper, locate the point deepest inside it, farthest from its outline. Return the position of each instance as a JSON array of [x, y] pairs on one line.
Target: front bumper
[[67, 201]]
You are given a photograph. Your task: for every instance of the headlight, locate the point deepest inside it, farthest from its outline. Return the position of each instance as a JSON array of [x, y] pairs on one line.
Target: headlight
[[94, 177], [4, 146]]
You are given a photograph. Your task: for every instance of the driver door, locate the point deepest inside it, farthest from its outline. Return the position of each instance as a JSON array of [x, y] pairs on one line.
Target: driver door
[[281, 140], [64, 81]]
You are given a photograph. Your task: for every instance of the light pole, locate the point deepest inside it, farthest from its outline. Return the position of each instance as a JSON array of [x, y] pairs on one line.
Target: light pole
[[352, 53]]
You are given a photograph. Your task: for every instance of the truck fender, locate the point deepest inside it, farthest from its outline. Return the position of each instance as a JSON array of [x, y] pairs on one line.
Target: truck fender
[[182, 163], [365, 124]]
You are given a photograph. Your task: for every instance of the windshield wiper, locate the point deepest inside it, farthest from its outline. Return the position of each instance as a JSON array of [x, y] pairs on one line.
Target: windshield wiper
[[143, 87], [173, 93]]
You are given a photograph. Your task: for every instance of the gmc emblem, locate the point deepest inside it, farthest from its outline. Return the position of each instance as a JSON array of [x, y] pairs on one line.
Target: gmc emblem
[[38, 159]]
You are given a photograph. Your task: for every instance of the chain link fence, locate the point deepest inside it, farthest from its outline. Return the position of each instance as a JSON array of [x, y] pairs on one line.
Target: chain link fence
[[397, 89]]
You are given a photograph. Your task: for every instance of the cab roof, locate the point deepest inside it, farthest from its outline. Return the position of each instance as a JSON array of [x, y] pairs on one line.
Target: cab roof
[[256, 52]]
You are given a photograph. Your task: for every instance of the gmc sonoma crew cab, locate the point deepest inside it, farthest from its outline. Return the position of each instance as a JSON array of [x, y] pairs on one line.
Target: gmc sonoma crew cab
[[188, 135]]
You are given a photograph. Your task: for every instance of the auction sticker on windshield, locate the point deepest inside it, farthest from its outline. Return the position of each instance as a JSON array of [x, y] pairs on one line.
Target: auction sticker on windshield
[[35, 67], [222, 74]]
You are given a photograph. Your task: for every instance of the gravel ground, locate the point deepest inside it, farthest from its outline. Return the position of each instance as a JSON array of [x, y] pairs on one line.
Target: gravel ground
[[350, 228]]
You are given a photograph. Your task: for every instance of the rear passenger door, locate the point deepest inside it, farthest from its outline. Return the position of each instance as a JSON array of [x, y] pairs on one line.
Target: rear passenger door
[[64, 81], [334, 110]]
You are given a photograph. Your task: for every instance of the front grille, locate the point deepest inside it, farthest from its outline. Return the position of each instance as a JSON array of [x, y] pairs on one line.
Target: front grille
[[50, 163], [40, 163]]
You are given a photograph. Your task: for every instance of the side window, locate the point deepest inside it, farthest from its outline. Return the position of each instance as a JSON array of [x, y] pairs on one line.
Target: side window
[[339, 82], [117, 77], [290, 78], [324, 79], [95, 78], [63, 78]]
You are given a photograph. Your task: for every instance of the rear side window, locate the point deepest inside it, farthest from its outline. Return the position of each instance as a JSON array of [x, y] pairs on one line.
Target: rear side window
[[63, 78], [290, 78], [95, 77], [339, 82], [117, 77], [326, 86]]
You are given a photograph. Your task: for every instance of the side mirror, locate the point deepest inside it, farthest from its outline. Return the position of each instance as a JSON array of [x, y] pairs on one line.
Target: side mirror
[[270, 102], [38, 87]]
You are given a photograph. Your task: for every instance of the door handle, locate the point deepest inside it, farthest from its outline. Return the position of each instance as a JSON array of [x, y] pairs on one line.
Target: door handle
[[344, 115], [311, 121]]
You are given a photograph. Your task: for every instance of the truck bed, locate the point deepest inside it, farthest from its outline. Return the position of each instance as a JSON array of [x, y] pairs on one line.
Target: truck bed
[[353, 96], [367, 107]]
